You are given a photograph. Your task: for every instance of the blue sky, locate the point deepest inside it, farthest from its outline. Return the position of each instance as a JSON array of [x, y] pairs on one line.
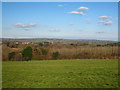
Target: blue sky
[[0, 20], [70, 20], [60, 0]]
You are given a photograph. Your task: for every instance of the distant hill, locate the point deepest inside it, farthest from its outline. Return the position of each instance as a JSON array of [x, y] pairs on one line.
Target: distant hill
[[56, 40]]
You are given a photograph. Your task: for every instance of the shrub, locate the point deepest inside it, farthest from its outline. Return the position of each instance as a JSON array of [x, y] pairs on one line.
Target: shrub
[[11, 55], [40, 44], [44, 51], [27, 53], [55, 55]]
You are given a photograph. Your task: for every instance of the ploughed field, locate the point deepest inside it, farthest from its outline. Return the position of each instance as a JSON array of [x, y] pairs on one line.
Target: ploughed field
[[77, 73]]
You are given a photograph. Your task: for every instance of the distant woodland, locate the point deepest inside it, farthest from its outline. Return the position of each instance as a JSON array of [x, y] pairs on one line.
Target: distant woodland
[[25, 50]]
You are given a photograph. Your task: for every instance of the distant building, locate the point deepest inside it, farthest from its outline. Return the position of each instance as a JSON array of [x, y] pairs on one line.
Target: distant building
[[16, 42], [25, 42], [46, 43]]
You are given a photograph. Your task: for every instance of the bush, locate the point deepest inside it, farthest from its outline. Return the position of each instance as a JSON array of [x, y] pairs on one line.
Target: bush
[[55, 55], [11, 55], [27, 53], [44, 51], [40, 44]]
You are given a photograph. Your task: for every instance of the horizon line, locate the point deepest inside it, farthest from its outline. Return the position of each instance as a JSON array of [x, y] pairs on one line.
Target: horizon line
[[59, 38]]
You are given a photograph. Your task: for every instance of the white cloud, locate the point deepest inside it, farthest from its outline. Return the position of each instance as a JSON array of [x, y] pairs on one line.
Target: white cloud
[[82, 8], [103, 17], [108, 22], [76, 12], [79, 11], [21, 25], [60, 5]]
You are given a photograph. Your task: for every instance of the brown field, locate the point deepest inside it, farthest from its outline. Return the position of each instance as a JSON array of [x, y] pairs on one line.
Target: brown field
[[66, 51], [83, 52]]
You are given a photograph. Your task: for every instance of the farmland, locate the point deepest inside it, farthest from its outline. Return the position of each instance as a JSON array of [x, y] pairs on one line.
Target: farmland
[[77, 73]]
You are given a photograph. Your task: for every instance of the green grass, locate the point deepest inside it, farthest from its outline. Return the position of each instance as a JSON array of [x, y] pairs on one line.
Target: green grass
[[82, 73]]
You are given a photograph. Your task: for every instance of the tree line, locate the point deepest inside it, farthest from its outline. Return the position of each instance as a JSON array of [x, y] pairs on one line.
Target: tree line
[[27, 54]]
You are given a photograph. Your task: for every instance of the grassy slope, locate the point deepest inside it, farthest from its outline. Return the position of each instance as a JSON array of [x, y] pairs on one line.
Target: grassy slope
[[60, 73]]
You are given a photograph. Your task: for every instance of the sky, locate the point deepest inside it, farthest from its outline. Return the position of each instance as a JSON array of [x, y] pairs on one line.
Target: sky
[[60, 0], [68, 20], [0, 20]]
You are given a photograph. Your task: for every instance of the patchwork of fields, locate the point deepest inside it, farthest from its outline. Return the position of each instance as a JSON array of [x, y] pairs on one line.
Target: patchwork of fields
[[81, 73]]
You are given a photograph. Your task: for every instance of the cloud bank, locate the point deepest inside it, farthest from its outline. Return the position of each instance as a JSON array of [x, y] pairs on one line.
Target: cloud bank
[[25, 26], [80, 11], [76, 12], [105, 20], [82, 8], [109, 22], [103, 17], [22, 25]]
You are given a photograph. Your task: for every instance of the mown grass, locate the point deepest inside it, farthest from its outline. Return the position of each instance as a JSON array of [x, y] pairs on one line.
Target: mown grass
[[82, 73]]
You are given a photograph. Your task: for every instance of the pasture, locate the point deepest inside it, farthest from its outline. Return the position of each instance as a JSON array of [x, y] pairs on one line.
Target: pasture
[[77, 73]]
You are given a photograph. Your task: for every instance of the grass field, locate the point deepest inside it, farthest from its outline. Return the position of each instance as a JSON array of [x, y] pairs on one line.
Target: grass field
[[82, 73]]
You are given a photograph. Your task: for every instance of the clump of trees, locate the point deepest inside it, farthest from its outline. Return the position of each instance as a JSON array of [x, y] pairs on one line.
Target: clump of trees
[[46, 51], [55, 55], [109, 44], [27, 53], [40, 44], [11, 55]]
